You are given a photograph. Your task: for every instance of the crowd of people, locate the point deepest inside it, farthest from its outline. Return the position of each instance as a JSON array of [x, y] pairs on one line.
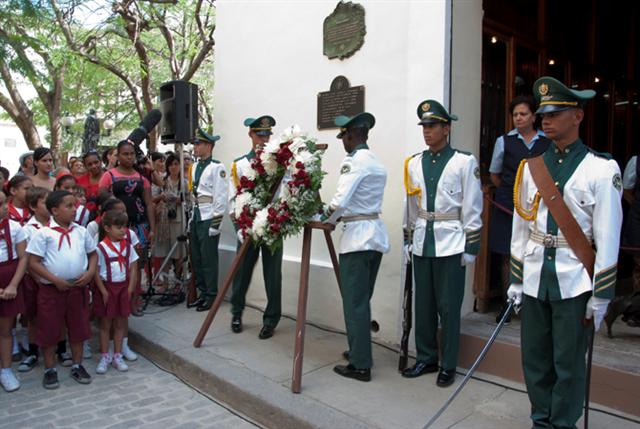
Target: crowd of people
[[74, 242]]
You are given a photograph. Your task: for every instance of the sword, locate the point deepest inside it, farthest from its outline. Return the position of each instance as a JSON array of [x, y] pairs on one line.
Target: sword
[[475, 365], [591, 337]]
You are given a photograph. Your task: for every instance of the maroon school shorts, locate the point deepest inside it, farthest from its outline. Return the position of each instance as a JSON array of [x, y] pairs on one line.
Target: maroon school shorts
[[119, 303], [55, 308], [15, 306], [30, 297]]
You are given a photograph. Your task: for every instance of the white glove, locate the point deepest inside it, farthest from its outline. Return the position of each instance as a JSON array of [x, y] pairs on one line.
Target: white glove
[[467, 259], [596, 309], [515, 293], [406, 250], [213, 232], [240, 236], [316, 218]]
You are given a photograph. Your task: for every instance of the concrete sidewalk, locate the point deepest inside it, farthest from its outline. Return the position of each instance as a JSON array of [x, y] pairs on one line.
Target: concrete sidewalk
[[254, 376]]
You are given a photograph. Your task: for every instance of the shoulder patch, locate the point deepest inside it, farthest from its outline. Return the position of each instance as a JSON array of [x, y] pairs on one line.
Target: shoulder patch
[[223, 174], [617, 182], [604, 155], [345, 169], [476, 172]]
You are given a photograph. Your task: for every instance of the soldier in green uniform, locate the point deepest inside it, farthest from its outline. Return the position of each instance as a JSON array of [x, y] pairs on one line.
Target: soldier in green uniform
[[442, 231], [554, 285], [210, 191], [357, 203], [259, 133]]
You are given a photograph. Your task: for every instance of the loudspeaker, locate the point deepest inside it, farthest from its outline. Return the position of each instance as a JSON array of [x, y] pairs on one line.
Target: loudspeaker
[[179, 107]]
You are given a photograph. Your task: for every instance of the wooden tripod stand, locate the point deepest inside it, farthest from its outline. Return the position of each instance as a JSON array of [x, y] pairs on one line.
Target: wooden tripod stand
[[302, 294]]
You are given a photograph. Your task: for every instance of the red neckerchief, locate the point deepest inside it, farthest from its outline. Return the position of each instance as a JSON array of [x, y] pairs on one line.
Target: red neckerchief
[[15, 215], [36, 226], [5, 234], [63, 233], [122, 261], [4, 224]]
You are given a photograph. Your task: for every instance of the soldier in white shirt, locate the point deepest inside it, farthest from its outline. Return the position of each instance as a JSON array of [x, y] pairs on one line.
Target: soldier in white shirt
[[547, 275], [358, 204], [260, 133], [442, 230], [209, 181]]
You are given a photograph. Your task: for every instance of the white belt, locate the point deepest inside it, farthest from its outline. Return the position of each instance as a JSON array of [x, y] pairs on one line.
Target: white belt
[[204, 199], [549, 240], [354, 218], [434, 216]]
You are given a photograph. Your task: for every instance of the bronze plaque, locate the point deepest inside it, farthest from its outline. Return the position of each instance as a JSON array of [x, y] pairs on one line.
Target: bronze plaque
[[341, 99], [344, 30]]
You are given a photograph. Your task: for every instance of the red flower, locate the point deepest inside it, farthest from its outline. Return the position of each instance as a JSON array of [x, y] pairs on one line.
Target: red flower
[[245, 183], [284, 155], [300, 165]]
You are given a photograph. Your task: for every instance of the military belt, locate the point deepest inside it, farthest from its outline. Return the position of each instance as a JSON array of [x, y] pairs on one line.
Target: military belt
[[434, 216], [354, 218], [549, 240], [204, 199]]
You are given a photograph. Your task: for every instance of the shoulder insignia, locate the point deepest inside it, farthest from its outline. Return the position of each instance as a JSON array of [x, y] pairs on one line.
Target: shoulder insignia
[[463, 152], [345, 169], [239, 158], [215, 161], [617, 182], [223, 174], [476, 172], [604, 155]]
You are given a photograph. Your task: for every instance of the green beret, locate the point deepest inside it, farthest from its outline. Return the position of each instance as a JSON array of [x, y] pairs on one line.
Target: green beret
[[262, 125], [361, 120], [431, 112], [553, 96], [203, 137]]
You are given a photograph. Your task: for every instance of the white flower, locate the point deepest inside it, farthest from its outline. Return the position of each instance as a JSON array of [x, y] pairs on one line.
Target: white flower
[[241, 200], [273, 146], [251, 174], [269, 163], [297, 144], [260, 223], [291, 133]]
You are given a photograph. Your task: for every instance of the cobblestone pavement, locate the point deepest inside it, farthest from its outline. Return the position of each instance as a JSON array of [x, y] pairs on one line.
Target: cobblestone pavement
[[143, 397]]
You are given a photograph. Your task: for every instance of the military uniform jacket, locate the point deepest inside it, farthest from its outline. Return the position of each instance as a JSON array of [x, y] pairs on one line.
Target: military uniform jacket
[[360, 191], [239, 168], [590, 185], [444, 183], [210, 189]]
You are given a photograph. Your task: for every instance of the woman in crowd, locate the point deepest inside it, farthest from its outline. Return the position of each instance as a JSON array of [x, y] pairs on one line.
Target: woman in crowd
[[110, 158], [26, 164], [43, 163], [134, 190], [90, 181]]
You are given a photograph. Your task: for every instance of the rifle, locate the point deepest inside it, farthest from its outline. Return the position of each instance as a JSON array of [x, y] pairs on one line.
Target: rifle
[[407, 314]]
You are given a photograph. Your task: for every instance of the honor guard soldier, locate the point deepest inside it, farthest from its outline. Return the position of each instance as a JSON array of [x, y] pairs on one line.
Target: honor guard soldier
[[209, 182], [259, 133], [568, 204], [358, 204], [631, 235], [442, 230]]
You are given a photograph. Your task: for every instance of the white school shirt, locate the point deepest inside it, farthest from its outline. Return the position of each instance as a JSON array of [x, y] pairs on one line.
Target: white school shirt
[[117, 274], [94, 231], [32, 227], [17, 236], [71, 260], [82, 216]]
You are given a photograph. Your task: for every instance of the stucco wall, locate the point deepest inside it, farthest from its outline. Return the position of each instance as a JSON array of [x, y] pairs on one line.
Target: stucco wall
[[269, 61]]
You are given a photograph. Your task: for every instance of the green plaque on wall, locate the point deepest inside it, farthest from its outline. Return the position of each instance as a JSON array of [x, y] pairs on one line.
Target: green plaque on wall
[[344, 30]]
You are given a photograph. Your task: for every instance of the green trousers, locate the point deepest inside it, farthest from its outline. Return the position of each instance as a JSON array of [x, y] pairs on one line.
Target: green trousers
[[358, 271], [204, 259], [439, 289], [272, 272], [554, 343]]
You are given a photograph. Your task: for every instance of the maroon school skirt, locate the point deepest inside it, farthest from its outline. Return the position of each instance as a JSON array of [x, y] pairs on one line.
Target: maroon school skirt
[[15, 306], [119, 303]]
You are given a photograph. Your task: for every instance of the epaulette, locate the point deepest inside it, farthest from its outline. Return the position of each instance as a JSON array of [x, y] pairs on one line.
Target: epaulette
[[239, 158], [604, 155], [463, 152]]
